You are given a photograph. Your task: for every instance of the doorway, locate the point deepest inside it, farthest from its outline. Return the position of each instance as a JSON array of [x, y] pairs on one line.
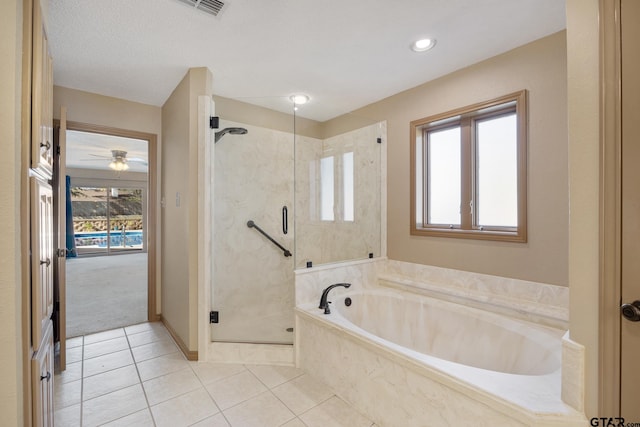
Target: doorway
[[111, 188]]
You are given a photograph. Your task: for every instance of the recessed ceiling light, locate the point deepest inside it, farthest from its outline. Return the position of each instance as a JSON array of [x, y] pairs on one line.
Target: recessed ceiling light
[[299, 99], [423, 45]]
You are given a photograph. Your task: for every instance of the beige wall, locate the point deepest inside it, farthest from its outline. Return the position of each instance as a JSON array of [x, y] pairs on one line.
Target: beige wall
[[91, 108], [179, 261], [11, 401], [242, 112], [583, 62], [87, 107], [539, 67]]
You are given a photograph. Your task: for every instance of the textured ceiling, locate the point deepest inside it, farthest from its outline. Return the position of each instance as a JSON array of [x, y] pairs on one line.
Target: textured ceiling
[[344, 54]]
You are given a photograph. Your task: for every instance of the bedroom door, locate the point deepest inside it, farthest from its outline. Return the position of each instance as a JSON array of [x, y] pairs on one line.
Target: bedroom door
[[60, 238], [630, 326]]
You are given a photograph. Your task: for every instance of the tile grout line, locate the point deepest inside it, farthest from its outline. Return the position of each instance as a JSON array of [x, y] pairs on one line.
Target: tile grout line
[[221, 412], [270, 389], [135, 364], [81, 381]]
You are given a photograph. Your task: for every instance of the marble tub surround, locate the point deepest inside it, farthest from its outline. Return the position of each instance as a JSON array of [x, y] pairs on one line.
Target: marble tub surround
[[310, 282], [447, 331], [398, 388], [381, 371], [536, 302], [573, 373], [349, 232]]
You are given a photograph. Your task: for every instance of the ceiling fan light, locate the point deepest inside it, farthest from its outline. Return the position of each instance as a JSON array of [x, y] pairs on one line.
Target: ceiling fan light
[[118, 165]]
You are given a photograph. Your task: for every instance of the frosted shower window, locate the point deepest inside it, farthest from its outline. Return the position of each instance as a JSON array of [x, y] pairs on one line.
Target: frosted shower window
[[347, 184], [326, 189]]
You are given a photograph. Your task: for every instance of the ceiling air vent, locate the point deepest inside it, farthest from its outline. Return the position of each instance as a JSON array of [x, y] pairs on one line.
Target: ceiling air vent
[[213, 7]]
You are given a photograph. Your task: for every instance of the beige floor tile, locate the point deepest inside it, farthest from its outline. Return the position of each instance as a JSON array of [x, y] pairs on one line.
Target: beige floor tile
[[112, 406], [66, 394], [67, 417], [105, 363], [171, 385], [209, 372], [74, 355], [264, 410], [334, 413], [155, 349], [103, 336], [109, 378], [232, 390], [101, 348], [272, 376], [184, 410], [144, 327], [217, 420], [142, 338], [302, 393], [74, 342], [72, 373], [109, 381], [162, 365], [137, 419], [294, 423]]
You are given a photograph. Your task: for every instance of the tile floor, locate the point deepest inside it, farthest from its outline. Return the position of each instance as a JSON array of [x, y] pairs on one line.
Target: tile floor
[[136, 376]]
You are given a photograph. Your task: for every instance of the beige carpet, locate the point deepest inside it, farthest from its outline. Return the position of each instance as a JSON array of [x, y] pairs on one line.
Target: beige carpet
[[106, 292]]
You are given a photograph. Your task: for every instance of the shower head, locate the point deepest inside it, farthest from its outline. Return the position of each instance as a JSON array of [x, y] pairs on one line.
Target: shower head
[[233, 131]]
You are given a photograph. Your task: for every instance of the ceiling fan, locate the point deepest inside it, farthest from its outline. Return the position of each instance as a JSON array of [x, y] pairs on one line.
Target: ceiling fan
[[119, 160]]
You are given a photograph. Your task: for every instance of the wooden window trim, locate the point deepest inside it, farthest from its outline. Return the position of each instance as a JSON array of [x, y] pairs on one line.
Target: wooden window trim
[[466, 118]]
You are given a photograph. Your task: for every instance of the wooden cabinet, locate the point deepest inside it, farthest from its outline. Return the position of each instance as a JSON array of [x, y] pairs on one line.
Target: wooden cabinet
[[42, 380], [41, 219], [42, 154], [41, 258]]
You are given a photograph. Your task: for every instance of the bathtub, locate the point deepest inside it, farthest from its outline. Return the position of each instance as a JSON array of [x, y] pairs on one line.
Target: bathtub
[[411, 360]]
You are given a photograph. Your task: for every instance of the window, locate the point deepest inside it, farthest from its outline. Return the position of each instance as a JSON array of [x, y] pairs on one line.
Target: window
[[469, 170], [326, 189], [336, 190]]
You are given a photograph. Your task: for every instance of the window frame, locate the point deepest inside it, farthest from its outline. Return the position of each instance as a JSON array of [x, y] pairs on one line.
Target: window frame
[[466, 118]]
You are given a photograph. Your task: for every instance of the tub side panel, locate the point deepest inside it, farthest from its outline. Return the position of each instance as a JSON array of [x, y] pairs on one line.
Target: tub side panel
[[387, 392]]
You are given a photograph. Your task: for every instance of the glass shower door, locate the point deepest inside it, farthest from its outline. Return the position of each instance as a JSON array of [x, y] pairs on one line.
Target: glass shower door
[[253, 289]]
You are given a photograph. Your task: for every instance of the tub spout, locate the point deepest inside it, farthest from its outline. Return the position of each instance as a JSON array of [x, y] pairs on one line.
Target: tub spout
[[325, 294]]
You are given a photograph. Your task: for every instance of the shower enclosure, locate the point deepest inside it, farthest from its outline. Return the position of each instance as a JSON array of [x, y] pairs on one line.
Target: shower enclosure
[[285, 200]]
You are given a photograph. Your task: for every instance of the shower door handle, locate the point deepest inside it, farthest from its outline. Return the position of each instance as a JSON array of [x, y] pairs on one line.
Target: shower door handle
[[285, 220]]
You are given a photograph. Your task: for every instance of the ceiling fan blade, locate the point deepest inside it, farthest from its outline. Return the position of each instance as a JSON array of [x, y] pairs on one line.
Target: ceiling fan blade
[[102, 157], [137, 160], [93, 160]]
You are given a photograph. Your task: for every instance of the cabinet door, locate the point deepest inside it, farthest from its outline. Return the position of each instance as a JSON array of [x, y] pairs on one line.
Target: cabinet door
[[41, 258], [42, 380], [42, 97]]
